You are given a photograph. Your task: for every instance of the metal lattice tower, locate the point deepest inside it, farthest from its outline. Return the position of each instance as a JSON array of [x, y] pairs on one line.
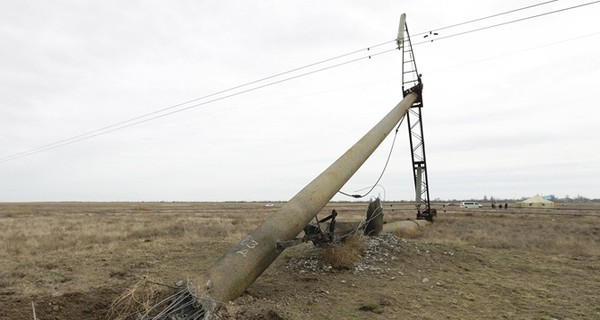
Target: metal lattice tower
[[411, 82]]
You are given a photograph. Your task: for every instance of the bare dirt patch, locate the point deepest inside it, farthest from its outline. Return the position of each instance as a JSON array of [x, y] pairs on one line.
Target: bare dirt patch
[[74, 259]]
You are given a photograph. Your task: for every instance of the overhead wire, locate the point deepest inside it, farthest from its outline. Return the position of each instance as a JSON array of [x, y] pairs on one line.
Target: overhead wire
[[161, 112], [487, 17], [133, 121], [435, 71], [507, 22], [513, 53], [142, 119], [461, 33]]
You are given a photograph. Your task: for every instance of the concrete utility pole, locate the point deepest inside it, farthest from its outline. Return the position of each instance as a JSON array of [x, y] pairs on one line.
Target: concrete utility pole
[[229, 276]]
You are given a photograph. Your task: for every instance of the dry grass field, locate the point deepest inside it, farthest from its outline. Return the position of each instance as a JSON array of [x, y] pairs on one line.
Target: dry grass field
[[72, 260]]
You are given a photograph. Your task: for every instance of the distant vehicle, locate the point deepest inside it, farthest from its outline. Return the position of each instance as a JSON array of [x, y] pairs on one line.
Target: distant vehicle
[[470, 205], [268, 205]]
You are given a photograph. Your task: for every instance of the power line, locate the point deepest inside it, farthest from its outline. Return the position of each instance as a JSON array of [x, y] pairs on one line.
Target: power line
[[479, 29], [487, 17], [515, 52], [161, 112], [508, 22], [133, 121], [126, 124]]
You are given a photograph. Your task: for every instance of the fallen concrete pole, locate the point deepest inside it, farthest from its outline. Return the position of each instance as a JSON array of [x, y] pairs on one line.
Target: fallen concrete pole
[[405, 226], [229, 276]]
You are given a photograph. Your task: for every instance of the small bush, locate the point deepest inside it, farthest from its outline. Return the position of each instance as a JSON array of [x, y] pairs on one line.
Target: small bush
[[343, 256]]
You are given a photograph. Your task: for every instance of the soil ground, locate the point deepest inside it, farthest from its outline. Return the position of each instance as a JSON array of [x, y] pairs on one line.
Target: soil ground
[[72, 260]]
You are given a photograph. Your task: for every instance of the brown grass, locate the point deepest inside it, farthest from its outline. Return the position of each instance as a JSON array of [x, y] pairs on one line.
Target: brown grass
[[518, 264], [558, 235], [408, 234], [343, 255], [45, 234], [138, 299]]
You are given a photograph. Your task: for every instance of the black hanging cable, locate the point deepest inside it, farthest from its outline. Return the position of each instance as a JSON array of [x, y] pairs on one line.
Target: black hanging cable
[[358, 196]]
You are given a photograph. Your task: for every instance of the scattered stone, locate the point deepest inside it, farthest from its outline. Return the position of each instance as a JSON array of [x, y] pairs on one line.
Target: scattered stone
[[379, 250]]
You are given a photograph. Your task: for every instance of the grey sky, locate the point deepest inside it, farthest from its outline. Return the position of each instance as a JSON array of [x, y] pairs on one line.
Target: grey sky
[[509, 112]]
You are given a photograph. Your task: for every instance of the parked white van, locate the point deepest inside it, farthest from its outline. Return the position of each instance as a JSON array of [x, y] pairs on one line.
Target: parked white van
[[470, 205]]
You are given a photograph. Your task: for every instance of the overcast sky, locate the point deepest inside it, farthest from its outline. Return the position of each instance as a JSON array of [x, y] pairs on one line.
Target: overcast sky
[[509, 111]]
